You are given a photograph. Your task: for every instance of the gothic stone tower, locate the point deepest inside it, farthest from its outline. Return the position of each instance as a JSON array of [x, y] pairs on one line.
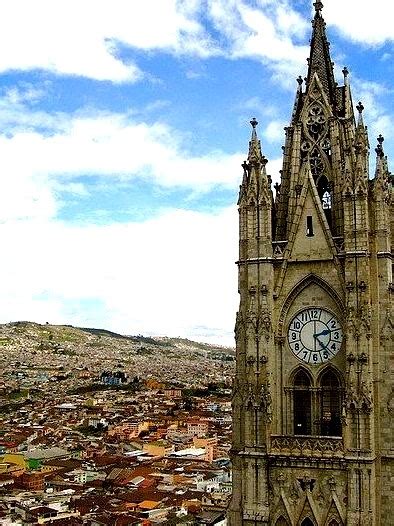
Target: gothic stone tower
[[313, 398]]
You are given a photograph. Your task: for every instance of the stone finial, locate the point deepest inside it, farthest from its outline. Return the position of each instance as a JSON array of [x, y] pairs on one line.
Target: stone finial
[[360, 107], [379, 148], [318, 6], [300, 80], [345, 72], [254, 123]]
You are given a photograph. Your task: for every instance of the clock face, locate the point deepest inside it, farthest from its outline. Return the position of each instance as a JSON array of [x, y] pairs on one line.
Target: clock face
[[315, 335]]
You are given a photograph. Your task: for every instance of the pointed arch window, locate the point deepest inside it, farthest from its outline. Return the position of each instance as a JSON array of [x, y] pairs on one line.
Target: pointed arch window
[[307, 522], [302, 404], [324, 191], [281, 522], [330, 404], [326, 200]]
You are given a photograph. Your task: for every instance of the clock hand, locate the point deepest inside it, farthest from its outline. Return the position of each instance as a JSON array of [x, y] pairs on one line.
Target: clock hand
[[323, 346], [322, 333]]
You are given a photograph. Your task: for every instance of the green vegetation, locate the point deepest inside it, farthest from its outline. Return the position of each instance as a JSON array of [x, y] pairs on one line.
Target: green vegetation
[[18, 394]]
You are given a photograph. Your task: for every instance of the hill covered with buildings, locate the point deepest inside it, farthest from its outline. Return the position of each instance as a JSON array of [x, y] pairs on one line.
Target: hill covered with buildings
[[98, 428]]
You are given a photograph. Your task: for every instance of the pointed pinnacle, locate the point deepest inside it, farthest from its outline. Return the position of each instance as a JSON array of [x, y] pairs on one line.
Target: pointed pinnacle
[[360, 109], [319, 58], [254, 145], [318, 6]]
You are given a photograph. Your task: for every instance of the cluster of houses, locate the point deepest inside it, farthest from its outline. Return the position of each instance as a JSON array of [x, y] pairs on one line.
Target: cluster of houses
[[155, 456]]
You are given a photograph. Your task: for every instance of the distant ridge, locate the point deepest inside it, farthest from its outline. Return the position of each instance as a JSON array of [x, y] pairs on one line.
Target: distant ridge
[[63, 333]]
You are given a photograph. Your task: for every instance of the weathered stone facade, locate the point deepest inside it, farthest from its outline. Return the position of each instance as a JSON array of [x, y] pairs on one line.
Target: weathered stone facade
[[313, 396]]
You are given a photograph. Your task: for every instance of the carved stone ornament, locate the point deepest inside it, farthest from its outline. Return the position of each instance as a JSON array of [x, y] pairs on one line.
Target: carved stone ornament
[[360, 401], [301, 446], [264, 289], [265, 195], [365, 397], [281, 479], [350, 402], [351, 359], [266, 401], [365, 314], [250, 400], [363, 358], [250, 360], [264, 323], [332, 483]]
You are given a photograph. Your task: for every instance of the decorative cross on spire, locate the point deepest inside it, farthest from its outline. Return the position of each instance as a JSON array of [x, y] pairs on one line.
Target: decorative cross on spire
[[254, 123], [318, 6]]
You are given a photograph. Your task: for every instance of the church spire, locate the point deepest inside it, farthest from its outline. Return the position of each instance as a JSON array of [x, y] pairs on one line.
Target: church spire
[[255, 155], [361, 136], [319, 60]]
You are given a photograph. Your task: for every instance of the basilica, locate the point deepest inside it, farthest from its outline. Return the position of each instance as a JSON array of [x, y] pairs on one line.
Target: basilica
[[313, 395]]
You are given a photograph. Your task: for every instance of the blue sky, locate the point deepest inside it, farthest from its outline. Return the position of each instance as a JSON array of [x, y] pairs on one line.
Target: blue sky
[[123, 124]]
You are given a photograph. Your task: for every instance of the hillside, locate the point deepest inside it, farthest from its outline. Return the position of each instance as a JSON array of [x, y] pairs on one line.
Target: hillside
[[69, 349]]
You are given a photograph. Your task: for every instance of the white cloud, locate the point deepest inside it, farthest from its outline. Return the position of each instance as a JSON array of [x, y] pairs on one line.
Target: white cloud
[[112, 145], [267, 32], [166, 276], [364, 22], [274, 132], [375, 114], [132, 277], [77, 37], [41, 152]]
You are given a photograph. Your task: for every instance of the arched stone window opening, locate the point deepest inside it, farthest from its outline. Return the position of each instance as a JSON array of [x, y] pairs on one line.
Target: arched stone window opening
[[307, 522], [333, 522], [302, 404], [324, 190], [281, 522], [330, 404]]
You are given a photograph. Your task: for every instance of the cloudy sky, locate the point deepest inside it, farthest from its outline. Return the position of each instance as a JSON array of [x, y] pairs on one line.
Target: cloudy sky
[[123, 124]]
